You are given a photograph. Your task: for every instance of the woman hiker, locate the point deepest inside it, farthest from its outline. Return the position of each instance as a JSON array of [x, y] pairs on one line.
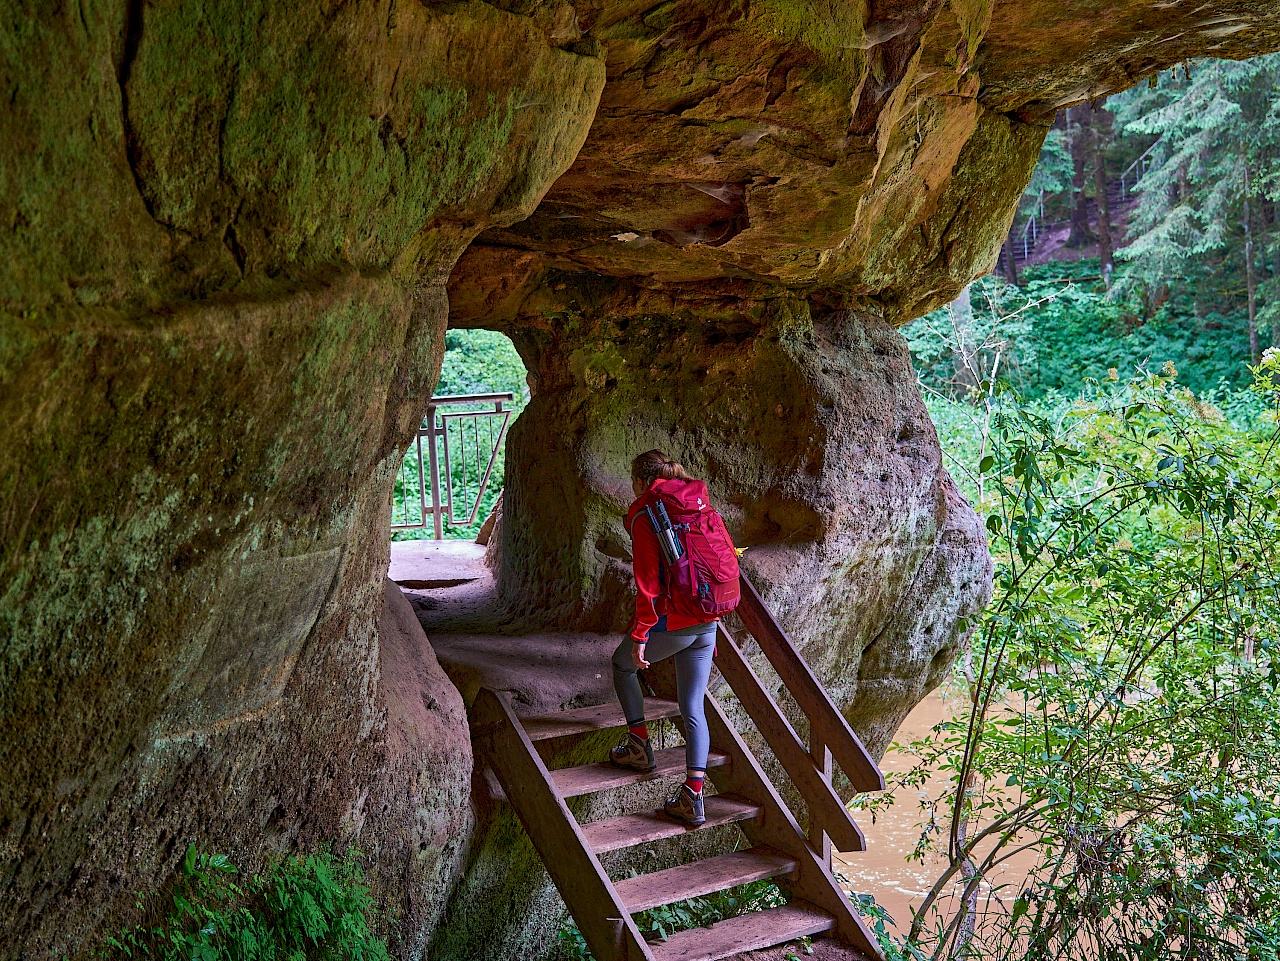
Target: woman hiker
[[677, 602]]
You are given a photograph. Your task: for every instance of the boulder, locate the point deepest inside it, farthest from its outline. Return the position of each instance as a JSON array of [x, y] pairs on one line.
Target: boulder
[[808, 427]]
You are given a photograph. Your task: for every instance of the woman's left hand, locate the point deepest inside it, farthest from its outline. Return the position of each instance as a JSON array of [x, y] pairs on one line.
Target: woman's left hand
[[637, 656]]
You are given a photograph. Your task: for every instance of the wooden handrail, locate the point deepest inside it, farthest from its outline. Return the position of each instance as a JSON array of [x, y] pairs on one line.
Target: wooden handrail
[[824, 804], [833, 731]]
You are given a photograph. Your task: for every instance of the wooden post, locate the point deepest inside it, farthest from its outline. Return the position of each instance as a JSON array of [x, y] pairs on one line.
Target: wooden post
[[848, 751], [590, 896], [818, 836], [820, 798]]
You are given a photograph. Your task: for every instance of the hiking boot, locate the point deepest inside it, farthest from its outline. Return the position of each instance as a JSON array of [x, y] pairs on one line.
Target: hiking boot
[[633, 754], [684, 805]]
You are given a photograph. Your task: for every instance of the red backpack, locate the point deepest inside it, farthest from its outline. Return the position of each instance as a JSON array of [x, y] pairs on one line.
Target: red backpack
[[704, 581]]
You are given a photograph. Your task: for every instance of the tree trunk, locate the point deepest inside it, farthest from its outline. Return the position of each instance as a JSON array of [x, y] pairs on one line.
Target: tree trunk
[[1275, 283], [1011, 256], [1255, 351], [964, 352], [1078, 135], [1106, 253]]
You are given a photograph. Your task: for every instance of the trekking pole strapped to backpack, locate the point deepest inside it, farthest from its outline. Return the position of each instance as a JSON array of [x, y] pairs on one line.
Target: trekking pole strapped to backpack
[[701, 576], [668, 542]]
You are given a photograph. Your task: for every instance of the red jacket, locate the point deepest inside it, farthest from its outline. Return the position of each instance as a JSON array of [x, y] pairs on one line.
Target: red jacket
[[650, 601]]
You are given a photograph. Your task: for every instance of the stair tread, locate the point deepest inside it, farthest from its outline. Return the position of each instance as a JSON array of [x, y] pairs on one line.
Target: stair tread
[[598, 717], [747, 932], [692, 880], [603, 776], [632, 829]]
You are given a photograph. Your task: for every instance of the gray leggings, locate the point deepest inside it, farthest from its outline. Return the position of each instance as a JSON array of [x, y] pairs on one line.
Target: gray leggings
[[693, 648]]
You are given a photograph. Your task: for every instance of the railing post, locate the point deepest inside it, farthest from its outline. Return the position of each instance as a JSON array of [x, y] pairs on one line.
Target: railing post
[[422, 481], [818, 836], [435, 472]]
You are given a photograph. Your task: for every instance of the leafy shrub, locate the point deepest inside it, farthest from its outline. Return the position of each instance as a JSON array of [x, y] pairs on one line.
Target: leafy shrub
[[481, 362], [315, 908], [879, 922], [1124, 682], [1061, 329]]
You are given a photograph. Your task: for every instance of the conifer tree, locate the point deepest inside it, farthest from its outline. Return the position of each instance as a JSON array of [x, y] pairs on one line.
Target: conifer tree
[[1215, 164]]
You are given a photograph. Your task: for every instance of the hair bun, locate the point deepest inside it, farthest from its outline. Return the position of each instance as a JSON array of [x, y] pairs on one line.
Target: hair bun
[[653, 465]]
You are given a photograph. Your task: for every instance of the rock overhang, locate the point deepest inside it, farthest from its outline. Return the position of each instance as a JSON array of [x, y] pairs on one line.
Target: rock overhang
[[870, 153]]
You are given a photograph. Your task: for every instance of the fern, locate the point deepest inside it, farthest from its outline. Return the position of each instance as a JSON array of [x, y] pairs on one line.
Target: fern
[[312, 908]]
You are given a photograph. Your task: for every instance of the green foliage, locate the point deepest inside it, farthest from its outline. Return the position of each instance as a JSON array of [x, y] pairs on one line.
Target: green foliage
[[1061, 328], [475, 362], [879, 922], [1197, 235], [1053, 170], [313, 908], [481, 362], [662, 922], [1124, 681]]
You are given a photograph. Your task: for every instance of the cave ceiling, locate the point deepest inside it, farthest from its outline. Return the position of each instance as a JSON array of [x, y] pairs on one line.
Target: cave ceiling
[[867, 153]]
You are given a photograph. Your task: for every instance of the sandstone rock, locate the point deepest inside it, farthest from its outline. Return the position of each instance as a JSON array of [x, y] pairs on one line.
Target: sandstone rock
[[874, 151], [810, 432], [227, 231], [417, 820], [490, 522]]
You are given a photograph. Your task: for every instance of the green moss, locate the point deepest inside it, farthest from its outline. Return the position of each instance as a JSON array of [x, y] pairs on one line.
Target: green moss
[[133, 454], [300, 142], [974, 17], [832, 30], [70, 221]]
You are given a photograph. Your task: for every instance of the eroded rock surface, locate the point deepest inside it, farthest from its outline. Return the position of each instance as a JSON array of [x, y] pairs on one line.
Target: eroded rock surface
[[227, 229], [870, 150], [227, 232]]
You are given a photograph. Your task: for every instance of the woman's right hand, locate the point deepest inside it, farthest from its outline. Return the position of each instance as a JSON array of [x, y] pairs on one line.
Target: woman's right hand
[[637, 656]]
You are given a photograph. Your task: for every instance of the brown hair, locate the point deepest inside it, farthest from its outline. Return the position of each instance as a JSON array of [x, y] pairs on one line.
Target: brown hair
[[652, 464]]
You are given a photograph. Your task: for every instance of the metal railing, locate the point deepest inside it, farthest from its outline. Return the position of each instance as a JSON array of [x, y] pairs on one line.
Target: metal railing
[[467, 452], [1135, 171], [1031, 229], [1030, 236]]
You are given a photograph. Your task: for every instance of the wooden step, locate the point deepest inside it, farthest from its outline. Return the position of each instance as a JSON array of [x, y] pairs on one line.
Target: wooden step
[[599, 717], [632, 829], [647, 891], [603, 776], [748, 932]]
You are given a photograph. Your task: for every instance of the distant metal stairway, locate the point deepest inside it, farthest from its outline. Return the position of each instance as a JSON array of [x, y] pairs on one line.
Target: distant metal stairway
[[602, 908]]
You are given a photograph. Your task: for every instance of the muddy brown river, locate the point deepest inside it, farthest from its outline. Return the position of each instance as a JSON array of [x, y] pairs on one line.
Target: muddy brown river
[[885, 870]]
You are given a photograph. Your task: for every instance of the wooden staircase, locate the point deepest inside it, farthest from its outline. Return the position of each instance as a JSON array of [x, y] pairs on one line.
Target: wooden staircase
[[800, 863]]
